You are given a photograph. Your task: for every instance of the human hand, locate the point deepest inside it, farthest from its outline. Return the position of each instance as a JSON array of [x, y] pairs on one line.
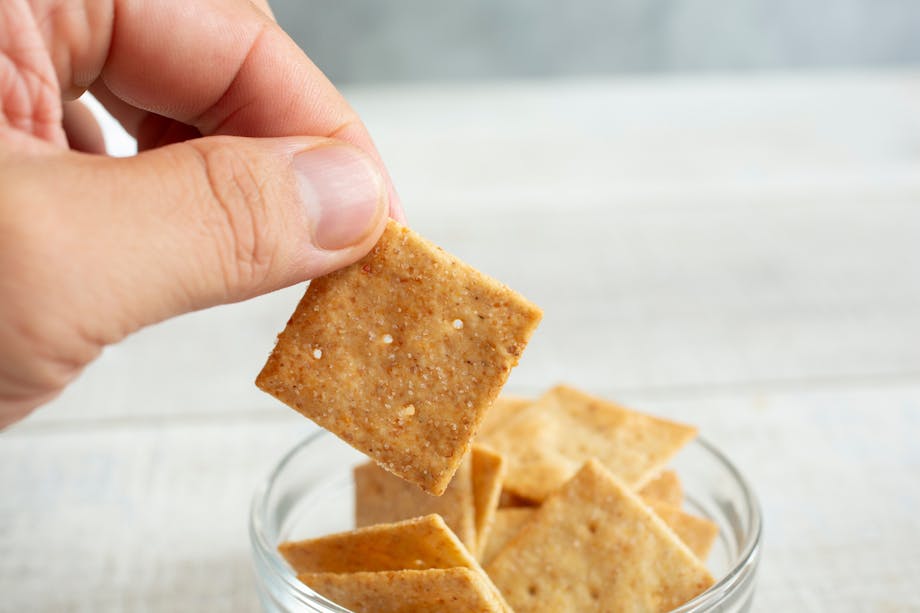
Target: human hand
[[238, 188]]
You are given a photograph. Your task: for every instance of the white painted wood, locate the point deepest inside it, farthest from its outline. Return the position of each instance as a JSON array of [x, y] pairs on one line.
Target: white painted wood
[[740, 253], [134, 517], [152, 516]]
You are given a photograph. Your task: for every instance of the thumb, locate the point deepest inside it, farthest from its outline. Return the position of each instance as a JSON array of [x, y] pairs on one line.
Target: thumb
[[214, 220]]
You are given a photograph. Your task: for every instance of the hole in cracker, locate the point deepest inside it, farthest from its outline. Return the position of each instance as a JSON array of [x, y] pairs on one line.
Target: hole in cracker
[[594, 593], [532, 589], [592, 527]]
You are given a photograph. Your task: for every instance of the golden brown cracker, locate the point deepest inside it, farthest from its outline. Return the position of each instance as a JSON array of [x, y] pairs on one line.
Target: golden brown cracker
[[488, 472], [448, 590], [547, 442], [401, 354], [664, 487], [501, 411], [419, 543], [697, 533], [508, 522], [594, 545], [382, 497]]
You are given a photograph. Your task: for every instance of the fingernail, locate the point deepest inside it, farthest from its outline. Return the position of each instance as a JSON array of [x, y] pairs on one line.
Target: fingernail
[[343, 193]]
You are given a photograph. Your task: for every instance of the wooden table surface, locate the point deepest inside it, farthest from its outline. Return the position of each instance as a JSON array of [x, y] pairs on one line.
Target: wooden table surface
[[742, 253]]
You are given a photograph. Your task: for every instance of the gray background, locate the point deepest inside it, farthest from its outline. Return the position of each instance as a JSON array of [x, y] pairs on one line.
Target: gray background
[[420, 40]]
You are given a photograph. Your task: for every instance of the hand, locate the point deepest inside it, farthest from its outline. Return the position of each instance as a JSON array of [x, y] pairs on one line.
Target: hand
[[253, 174]]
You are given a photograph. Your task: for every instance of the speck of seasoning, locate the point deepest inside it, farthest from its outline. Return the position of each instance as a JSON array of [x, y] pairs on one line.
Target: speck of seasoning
[[387, 339], [458, 324], [407, 411], [317, 353]]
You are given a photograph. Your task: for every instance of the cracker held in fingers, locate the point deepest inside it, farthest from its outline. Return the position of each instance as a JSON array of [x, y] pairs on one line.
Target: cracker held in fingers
[[401, 354]]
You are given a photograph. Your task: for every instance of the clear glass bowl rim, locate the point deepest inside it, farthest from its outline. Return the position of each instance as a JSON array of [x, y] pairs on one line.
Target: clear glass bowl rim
[[746, 562]]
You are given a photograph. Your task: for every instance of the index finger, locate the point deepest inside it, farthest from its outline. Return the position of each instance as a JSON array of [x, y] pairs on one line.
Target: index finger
[[222, 66]]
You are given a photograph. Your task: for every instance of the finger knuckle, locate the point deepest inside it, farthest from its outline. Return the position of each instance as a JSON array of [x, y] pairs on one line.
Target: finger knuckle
[[240, 216]]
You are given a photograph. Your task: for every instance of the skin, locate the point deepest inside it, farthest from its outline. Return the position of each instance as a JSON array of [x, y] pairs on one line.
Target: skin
[[93, 248]]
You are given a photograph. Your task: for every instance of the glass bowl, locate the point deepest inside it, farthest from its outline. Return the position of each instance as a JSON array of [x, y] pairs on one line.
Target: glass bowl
[[310, 493]]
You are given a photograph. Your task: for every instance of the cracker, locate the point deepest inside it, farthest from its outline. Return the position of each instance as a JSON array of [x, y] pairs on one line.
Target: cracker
[[501, 411], [508, 522], [381, 497], [450, 590], [665, 487], [400, 355], [488, 472], [547, 442], [697, 533], [419, 543], [594, 545]]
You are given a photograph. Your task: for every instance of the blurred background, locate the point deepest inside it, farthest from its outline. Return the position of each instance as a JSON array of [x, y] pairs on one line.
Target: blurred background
[[363, 41], [717, 205]]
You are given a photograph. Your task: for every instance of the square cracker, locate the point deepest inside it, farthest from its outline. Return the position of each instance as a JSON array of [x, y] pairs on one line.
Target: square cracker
[[419, 543], [665, 487], [547, 442], [422, 543], [449, 590], [508, 522], [400, 354], [381, 497], [503, 409], [697, 533], [595, 546], [488, 470]]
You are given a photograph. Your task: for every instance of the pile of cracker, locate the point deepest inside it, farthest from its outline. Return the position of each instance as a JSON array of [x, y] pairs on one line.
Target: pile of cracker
[[563, 504]]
